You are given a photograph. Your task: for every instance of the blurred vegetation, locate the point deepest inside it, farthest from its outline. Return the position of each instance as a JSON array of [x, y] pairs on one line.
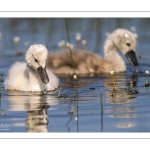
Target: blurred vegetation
[[51, 31]]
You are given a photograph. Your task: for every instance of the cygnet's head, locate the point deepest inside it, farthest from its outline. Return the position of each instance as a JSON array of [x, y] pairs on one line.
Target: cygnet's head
[[36, 58], [125, 41]]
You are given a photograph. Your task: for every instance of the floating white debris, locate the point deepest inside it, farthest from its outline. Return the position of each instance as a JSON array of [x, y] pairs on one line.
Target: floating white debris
[[16, 39], [136, 71], [45, 90], [111, 72], [146, 72], [78, 37], [76, 118]]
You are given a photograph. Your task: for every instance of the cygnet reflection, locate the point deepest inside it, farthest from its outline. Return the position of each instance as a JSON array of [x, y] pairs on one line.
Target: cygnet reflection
[[125, 94], [36, 108]]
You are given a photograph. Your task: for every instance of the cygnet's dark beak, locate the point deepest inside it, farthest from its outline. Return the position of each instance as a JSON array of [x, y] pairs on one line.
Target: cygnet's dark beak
[[43, 74], [131, 56]]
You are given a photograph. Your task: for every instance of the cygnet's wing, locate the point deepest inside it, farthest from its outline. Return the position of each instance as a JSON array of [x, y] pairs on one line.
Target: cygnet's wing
[[84, 62], [53, 81], [17, 76]]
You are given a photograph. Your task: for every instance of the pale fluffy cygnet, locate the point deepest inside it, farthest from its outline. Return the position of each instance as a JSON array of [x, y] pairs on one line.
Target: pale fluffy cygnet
[[32, 75]]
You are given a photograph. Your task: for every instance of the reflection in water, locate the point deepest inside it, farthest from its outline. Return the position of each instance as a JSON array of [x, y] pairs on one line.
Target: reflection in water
[[97, 104], [73, 107], [125, 125], [101, 103], [37, 119], [73, 114], [36, 107], [1, 110], [125, 89], [125, 94]]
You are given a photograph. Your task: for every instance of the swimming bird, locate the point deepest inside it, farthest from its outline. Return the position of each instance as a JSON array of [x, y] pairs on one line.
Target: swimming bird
[[86, 62], [32, 75]]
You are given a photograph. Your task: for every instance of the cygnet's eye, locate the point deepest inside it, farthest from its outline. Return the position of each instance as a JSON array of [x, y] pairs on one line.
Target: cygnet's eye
[[128, 44], [35, 60]]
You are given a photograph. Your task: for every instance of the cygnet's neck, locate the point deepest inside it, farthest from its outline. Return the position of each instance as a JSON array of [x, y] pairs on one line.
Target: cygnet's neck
[[112, 56], [35, 83], [33, 76]]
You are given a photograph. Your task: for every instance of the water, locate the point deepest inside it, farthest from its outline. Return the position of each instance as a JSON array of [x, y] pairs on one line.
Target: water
[[88, 104]]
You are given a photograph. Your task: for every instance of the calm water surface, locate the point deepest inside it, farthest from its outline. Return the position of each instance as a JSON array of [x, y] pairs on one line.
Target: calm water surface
[[88, 104]]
